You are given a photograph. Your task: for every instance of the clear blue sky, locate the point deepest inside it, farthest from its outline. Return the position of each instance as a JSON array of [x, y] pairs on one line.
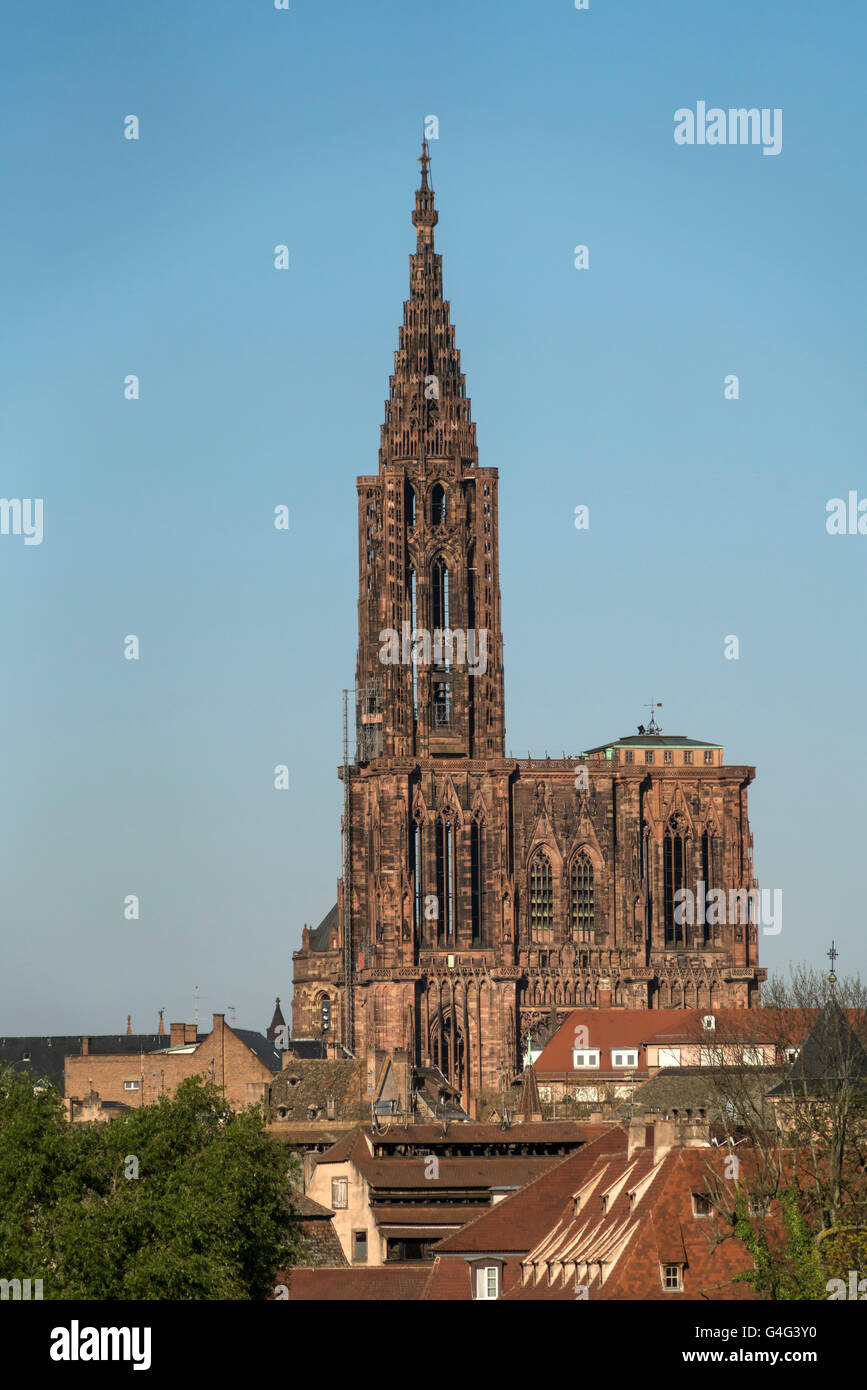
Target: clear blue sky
[[602, 387]]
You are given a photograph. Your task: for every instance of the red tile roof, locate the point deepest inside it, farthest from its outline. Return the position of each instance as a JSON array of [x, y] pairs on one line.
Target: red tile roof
[[389, 1283], [515, 1223], [620, 1028]]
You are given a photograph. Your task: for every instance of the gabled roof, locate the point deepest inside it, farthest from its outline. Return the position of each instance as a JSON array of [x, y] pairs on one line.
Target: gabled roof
[[831, 1057]]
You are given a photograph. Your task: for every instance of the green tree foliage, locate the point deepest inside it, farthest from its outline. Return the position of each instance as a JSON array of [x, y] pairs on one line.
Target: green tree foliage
[[209, 1215]]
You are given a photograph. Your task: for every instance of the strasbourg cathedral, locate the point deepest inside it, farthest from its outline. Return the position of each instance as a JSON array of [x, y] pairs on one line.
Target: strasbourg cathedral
[[482, 896]]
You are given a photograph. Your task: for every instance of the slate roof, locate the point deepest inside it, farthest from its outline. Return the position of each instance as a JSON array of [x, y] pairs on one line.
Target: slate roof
[[258, 1043], [831, 1056], [46, 1054], [319, 937], [653, 741], [679, 1089]]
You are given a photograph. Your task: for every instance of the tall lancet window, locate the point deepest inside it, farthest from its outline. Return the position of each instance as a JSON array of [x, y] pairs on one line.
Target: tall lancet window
[[417, 856], [476, 881], [409, 506], [541, 894], [581, 892], [413, 618], [674, 908], [445, 845], [437, 505], [440, 594]]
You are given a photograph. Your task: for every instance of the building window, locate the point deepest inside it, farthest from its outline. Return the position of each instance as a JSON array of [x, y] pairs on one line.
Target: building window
[[701, 1204], [648, 755], [585, 1057], [583, 911], [673, 861], [487, 1281], [672, 1278], [409, 506], [413, 619], [442, 697], [437, 505], [629, 755], [541, 897], [476, 881], [626, 1057], [359, 1247], [440, 594], [445, 847], [132, 1085], [667, 756], [339, 1193], [687, 755], [668, 1057], [708, 757]]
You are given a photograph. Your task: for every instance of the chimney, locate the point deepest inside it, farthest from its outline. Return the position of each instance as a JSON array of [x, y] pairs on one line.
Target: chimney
[[128, 1024], [176, 1034], [637, 1136], [663, 1138], [161, 1031], [603, 994], [85, 1047], [190, 1033]]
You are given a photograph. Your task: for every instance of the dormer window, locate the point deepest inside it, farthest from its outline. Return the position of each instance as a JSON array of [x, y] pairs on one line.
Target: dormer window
[[701, 1204], [584, 1057]]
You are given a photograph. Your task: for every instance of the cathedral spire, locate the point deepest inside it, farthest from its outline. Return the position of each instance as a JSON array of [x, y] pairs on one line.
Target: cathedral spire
[[427, 415], [425, 217]]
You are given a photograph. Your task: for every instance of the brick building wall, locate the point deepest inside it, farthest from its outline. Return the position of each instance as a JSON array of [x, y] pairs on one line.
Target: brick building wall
[[221, 1057]]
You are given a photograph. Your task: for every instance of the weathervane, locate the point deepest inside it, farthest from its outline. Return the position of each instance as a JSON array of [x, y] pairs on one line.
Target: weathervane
[[832, 956], [652, 727]]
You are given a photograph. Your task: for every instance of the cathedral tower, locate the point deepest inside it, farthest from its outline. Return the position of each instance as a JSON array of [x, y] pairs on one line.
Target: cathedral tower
[[483, 896]]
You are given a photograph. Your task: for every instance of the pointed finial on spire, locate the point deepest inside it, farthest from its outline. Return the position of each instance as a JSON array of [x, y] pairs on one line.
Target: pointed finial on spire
[[425, 217], [832, 956], [424, 161]]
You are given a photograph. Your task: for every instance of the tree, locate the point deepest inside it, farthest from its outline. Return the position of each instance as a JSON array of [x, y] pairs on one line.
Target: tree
[[797, 1193], [183, 1199]]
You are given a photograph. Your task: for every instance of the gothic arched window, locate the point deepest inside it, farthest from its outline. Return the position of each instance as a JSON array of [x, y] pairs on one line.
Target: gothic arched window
[[437, 505], [476, 881], [673, 862], [409, 506], [440, 594], [581, 893], [413, 622], [445, 847], [541, 897]]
